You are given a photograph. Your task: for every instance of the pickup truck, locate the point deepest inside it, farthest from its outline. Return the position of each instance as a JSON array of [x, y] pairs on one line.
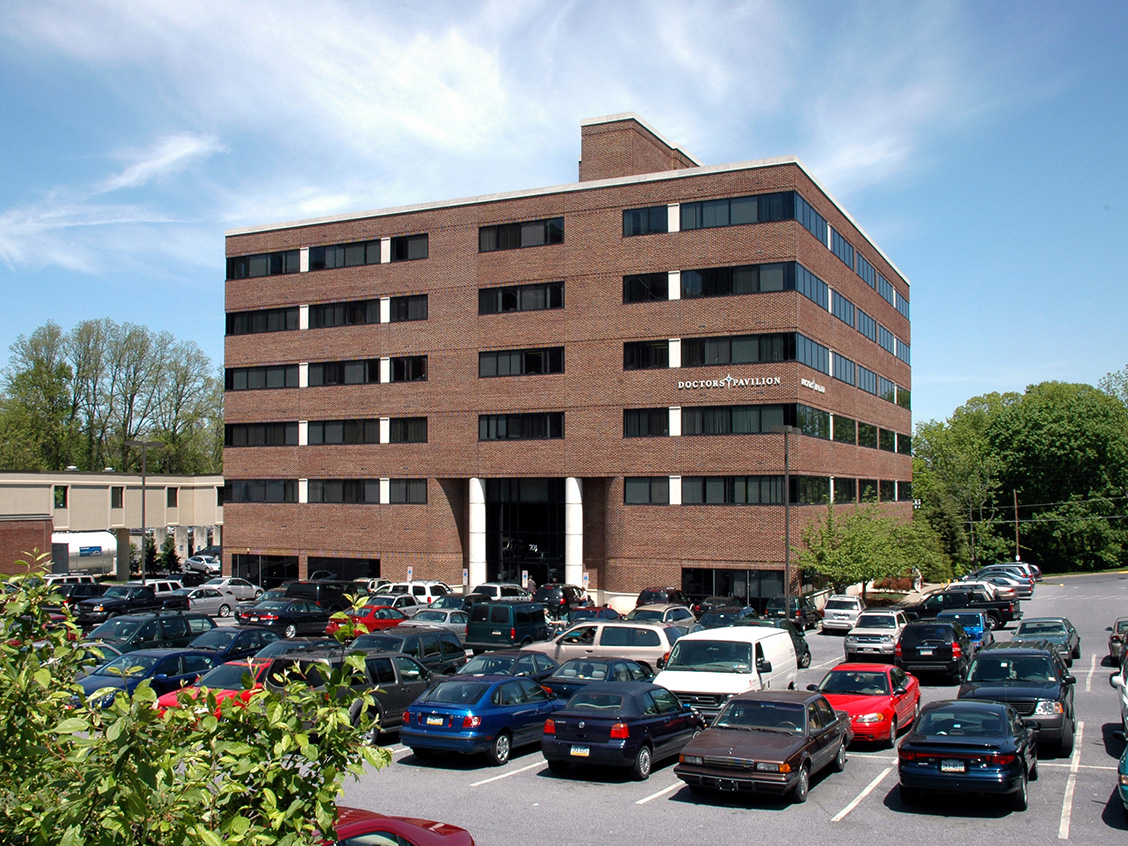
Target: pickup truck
[[125, 599], [999, 611]]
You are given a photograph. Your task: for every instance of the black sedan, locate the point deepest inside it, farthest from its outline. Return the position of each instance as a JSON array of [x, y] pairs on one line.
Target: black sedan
[[288, 616], [510, 662], [727, 616], [968, 746], [573, 676], [230, 644], [619, 724]]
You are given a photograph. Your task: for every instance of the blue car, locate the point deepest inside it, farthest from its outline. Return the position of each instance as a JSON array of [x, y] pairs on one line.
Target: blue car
[[974, 623], [619, 724], [472, 714], [1122, 780], [165, 670]]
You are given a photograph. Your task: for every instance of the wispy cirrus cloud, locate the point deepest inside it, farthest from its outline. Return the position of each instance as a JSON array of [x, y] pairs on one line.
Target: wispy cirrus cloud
[[168, 155]]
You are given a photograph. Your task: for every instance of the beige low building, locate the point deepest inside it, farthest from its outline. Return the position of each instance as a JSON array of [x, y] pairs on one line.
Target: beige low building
[[34, 505]]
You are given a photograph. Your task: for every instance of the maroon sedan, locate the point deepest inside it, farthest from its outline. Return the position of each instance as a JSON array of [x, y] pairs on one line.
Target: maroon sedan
[[357, 826]]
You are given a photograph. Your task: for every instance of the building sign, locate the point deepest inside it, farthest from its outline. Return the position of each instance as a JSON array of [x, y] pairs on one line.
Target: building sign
[[813, 385], [87, 551], [729, 382]]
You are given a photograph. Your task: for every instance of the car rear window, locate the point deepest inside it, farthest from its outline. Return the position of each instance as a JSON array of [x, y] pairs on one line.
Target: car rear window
[[923, 634], [610, 702], [956, 721], [456, 692], [841, 605]]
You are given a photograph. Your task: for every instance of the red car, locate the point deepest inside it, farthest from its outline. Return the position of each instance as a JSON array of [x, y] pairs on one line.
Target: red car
[[372, 617], [225, 681], [881, 700], [361, 825]]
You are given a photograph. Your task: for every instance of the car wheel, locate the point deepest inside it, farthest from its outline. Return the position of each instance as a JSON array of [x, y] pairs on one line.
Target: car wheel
[[558, 767], [802, 786], [642, 764], [1019, 799], [892, 732], [839, 763], [224, 610], [290, 631], [1065, 747], [805, 661], [1034, 769], [499, 752], [1077, 651], [993, 623]]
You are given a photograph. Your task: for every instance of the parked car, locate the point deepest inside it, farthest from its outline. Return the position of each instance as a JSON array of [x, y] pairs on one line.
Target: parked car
[[232, 679], [406, 603], [356, 827], [273, 593], [976, 626], [801, 611], [647, 643], [129, 598], [372, 618], [999, 611], [74, 592], [969, 747], [395, 681], [841, 612], [880, 699], [875, 635], [230, 643], [1118, 633], [709, 604], [677, 615], [510, 662], [1057, 630], [560, 599], [1032, 679], [288, 616], [207, 600], [328, 595], [438, 650], [934, 646], [425, 591], [502, 590], [208, 564], [444, 618], [147, 631], [454, 602], [661, 596], [798, 638], [287, 645], [727, 616], [1122, 780], [475, 714], [164, 669], [505, 622], [575, 675], [789, 734], [591, 612], [619, 724], [241, 588]]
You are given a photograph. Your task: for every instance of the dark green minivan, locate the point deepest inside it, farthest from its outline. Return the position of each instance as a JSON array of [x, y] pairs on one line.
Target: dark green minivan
[[505, 623]]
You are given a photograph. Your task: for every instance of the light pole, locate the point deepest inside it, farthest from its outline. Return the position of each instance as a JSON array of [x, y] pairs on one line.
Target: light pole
[[144, 446], [787, 431]]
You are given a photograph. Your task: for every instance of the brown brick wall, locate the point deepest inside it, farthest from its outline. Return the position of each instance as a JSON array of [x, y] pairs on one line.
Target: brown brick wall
[[19, 539], [625, 546], [620, 148]]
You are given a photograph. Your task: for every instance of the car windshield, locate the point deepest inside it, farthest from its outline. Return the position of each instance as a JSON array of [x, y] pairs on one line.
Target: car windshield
[[580, 668], [645, 615], [456, 692], [128, 666], [115, 630], [877, 621], [583, 701], [841, 605], [430, 617], [1000, 669], [1046, 630], [181, 592], [968, 621], [721, 656], [1122, 625], [385, 643], [454, 602], [216, 582], [217, 638], [116, 590], [756, 715], [231, 676], [858, 683], [966, 722], [281, 647], [496, 665]]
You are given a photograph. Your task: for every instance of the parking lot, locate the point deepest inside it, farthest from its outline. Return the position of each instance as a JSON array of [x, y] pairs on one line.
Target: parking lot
[[1073, 800]]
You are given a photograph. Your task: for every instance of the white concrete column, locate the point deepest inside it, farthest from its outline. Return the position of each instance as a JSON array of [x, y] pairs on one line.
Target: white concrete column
[[477, 563], [675, 421], [385, 309], [675, 352], [673, 285], [180, 538], [832, 419], [217, 535], [121, 571], [573, 530], [303, 374], [385, 491], [385, 250], [303, 317], [673, 217], [385, 370], [303, 433], [303, 260], [385, 430], [675, 490], [832, 490], [303, 490]]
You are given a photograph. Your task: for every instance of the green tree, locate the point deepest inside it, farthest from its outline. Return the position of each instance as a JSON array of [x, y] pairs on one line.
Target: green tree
[[168, 560], [858, 546], [126, 775], [1115, 384], [36, 406]]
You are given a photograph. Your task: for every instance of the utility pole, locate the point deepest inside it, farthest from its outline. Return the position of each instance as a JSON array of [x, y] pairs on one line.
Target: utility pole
[[1017, 554]]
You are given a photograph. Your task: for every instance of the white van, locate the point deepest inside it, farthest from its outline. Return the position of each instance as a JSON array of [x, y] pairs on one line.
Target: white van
[[706, 669]]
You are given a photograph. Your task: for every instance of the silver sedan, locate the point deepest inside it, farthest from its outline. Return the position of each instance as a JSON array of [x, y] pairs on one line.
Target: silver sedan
[[445, 618], [208, 600], [231, 584]]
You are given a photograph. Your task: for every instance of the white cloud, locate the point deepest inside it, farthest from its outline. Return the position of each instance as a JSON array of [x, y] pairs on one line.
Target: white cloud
[[167, 156]]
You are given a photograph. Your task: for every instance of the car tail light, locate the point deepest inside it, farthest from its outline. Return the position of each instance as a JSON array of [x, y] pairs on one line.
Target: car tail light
[[268, 616], [897, 651], [957, 651], [470, 721], [407, 718], [907, 755], [620, 731], [1001, 759], [549, 727], [513, 634]]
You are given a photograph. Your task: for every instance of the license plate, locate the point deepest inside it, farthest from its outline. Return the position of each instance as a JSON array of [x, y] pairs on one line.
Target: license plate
[[253, 619], [953, 766], [726, 784], [580, 751], [927, 651], [434, 721]]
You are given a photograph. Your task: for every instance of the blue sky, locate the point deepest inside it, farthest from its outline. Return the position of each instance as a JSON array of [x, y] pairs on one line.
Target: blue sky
[[982, 145]]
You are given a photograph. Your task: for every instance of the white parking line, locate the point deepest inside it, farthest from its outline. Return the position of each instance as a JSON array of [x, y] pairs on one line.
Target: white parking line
[[507, 775], [1070, 784], [1089, 678], [857, 799], [661, 792]]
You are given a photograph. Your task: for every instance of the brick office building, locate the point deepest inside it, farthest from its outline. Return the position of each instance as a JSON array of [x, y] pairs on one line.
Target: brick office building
[[586, 380]]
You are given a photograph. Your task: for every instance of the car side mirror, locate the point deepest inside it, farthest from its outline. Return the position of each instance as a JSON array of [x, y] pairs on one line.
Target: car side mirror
[[763, 666], [1070, 680], [160, 677], [901, 691], [1114, 680], [660, 663], [1108, 628], [812, 687]]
